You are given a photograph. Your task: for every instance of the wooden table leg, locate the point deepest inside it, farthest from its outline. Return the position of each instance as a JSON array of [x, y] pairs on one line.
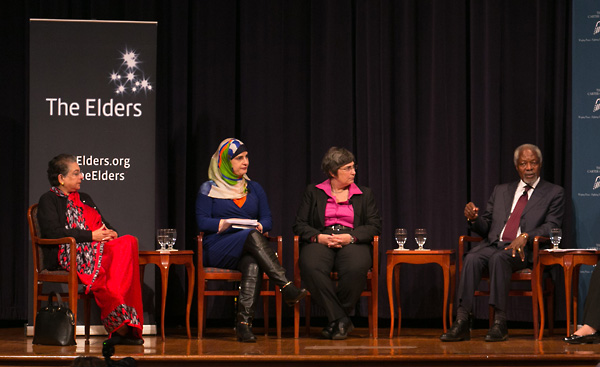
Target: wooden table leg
[[452, 291], [390, 288], [164, 272], [190, 274], [397, 288], [446, 271], [568, 282]]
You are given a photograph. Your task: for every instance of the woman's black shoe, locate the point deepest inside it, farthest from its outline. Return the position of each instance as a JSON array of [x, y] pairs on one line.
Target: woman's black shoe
[[117, 339], [327, 331], [244, 333], [291, 294], [342, 328], [584, 339]]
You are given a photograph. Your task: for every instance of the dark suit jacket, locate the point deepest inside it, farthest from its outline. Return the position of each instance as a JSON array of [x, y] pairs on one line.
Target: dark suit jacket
[[544, 210], [310, 219]]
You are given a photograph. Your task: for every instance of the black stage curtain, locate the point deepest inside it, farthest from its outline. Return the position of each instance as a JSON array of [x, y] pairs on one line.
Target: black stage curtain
[[431, 96]]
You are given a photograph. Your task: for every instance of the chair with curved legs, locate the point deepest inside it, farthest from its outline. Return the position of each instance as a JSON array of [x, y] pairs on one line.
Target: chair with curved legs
[[525, 275], [47, 270], [206, 274], [371, 291]]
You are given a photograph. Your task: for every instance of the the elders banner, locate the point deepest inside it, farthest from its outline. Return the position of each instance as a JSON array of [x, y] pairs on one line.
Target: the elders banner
[[586, 130], [93, 95]]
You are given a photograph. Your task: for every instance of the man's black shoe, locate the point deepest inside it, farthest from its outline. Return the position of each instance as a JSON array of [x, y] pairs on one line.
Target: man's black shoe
[[459, 331], [498, 332]]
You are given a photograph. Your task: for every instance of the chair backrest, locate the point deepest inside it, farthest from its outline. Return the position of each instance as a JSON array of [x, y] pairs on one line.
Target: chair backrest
[[44, 257]]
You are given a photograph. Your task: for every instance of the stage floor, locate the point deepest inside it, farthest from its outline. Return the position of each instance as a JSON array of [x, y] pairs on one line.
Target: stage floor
[[415, 347]]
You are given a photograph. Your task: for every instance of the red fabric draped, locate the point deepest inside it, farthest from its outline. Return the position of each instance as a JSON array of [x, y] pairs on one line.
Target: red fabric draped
[[117, 288]]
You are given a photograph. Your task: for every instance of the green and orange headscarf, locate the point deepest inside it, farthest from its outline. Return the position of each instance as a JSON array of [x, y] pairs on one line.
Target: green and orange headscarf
[[227, 184]]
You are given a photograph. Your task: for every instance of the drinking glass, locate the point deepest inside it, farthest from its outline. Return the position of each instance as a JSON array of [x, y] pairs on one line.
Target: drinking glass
[[555, 237], [162, 238], [400, 235], [420, 237], [172, 234]]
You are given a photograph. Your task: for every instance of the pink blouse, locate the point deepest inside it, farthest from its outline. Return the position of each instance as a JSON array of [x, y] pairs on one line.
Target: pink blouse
[[339, 213]]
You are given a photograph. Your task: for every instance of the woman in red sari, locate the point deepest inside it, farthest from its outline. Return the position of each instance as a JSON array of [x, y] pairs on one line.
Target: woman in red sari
[[106, 264]]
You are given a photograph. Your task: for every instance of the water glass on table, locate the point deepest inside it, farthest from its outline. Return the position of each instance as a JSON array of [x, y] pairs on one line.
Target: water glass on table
[[555, 237], [421, 237], [172, 238], [400, 235], [162, 238]]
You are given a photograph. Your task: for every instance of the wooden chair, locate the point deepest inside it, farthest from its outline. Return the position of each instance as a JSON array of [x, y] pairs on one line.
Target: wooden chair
[[525, 275], [208, 273], [371, 291], [46, 269]]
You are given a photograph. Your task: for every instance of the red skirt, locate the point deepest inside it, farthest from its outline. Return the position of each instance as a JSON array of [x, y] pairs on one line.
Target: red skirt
[[117, 288]]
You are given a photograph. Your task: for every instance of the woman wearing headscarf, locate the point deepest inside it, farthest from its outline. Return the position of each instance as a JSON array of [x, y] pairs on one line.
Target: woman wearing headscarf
[[336, 223], [106, 264], [228, 195]]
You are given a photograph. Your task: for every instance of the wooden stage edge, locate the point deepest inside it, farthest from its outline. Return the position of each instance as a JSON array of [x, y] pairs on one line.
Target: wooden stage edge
[[415, 347]]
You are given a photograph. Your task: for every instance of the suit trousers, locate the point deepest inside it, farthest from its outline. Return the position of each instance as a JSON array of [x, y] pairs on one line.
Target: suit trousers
[[591, 311], [352, 262], [499, 263]]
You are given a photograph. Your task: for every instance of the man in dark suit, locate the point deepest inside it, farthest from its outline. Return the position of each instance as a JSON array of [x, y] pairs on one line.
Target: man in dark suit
[[515, 213]]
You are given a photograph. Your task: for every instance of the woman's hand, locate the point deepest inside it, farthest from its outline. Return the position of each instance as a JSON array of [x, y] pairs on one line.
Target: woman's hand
[[223, 225], [334, 240], [103, 234], [259, 227]]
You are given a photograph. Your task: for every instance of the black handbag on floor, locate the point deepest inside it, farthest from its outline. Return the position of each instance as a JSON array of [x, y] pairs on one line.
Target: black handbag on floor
[[54, 324]]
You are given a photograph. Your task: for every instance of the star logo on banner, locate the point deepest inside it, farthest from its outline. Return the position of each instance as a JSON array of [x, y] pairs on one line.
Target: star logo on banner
[[129, 78]]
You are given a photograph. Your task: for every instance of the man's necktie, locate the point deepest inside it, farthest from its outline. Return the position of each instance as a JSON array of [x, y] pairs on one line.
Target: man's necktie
[[512, 225]]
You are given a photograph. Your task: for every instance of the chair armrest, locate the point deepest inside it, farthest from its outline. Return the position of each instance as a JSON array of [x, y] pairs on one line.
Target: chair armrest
[[199, 254], [375, 244], [278, 240], [536, 247], [461, 249], [297, 280]]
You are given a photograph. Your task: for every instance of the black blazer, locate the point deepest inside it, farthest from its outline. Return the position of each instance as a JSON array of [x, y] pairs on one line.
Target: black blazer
[[310, 218]]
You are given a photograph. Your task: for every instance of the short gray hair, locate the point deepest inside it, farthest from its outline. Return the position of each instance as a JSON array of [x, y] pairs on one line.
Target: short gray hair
[[334, 159], [521, 148]]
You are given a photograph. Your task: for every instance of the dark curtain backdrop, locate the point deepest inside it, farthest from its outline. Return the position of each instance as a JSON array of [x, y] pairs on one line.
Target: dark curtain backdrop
[[431, 96]]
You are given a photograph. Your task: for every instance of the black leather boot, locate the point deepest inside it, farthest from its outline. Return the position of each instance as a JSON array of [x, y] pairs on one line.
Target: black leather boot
[[249, 293], [257, 245]]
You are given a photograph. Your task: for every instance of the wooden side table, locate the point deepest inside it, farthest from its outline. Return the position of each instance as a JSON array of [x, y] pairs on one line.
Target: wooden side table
[[164, 260], [570, 260], [444, 258]]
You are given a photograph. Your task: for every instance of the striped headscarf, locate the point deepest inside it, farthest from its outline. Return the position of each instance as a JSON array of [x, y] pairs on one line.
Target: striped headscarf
[[227, 184]]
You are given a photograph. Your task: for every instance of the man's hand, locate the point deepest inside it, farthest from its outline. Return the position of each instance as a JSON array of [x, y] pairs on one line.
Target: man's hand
[[518, 246], [471, 211]]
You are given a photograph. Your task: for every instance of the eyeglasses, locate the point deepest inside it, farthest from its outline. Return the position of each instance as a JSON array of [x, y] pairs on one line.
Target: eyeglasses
[[349, 168]]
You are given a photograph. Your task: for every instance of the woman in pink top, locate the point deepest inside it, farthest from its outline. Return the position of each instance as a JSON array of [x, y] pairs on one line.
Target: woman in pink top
[[336, 223]]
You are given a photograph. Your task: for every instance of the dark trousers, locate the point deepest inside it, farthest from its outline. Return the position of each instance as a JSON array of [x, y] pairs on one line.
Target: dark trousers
[[591, 311], [352, 262], [500, 265]]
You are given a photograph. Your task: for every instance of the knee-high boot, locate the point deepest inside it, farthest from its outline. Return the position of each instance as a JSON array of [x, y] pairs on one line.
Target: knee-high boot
[[257, 245], [248, 297]]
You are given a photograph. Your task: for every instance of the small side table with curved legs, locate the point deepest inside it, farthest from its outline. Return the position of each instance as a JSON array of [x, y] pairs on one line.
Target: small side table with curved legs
[[444, 258], [164, 259], [570, 260]]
